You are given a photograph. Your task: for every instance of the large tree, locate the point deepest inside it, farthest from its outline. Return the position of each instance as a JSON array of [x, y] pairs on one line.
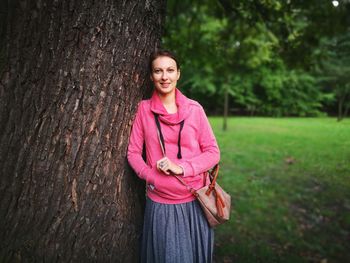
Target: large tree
[[72, 73]]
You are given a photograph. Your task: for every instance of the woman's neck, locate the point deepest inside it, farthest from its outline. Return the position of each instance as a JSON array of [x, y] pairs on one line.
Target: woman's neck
[[169, 102]]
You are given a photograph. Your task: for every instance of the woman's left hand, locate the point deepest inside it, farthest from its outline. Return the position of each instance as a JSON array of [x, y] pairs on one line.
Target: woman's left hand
[[166, 166]]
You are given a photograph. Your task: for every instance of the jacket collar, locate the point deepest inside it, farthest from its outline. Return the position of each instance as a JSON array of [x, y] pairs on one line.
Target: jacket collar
[[182, 103]]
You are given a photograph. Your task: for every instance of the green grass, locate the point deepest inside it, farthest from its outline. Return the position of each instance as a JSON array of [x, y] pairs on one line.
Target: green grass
[[290, 183]]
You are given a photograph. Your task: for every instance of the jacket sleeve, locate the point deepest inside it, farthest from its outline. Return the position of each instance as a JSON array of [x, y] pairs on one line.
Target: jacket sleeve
[[210, 151], [135, 148]]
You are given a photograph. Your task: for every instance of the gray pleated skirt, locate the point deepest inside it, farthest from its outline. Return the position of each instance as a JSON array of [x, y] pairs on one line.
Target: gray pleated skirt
[[176, 233]]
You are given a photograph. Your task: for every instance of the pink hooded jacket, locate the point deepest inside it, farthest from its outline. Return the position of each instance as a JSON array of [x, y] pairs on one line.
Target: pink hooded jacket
[[198, 147]]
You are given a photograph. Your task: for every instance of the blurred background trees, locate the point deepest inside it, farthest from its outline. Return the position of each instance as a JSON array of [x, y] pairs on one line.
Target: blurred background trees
[[267, 57]]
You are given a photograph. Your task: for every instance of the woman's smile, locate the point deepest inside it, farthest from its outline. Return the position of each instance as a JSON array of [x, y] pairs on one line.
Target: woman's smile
[[165, 75], [165, 85]]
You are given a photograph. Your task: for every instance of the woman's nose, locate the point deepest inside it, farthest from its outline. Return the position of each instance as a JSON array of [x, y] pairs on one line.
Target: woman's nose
[[164, 75]]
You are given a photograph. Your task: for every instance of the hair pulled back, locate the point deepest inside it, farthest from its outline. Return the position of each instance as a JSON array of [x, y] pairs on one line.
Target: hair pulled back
[[162, 53]]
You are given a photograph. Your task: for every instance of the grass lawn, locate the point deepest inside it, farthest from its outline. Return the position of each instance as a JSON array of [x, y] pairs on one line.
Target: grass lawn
[[290, 183]]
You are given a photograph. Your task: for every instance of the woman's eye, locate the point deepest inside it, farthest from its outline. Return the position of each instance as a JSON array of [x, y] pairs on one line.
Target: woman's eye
[[171, 70], [157, 71]]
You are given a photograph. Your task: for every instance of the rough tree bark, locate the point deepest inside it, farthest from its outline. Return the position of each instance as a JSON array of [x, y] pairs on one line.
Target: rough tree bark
[[74, 72]]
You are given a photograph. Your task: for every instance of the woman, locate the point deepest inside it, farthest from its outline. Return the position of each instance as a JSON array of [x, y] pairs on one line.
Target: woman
[[175, 228]]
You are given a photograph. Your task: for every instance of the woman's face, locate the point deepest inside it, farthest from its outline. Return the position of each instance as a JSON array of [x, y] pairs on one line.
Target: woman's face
[[164, 75]]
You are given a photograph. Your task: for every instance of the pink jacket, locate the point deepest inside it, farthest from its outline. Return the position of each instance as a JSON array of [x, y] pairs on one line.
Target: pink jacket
[[199, 148]]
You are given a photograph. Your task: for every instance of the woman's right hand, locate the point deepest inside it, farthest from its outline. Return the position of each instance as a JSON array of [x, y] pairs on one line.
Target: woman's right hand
[[166, 166]]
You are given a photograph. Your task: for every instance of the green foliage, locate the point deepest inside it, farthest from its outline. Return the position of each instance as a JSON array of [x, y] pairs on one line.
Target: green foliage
[[257, 46], [277, 92], [291, 92], [262, 52]]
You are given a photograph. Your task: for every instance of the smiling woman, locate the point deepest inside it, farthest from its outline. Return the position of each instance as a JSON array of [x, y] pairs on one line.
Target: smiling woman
[[165, 73], [175, 228]]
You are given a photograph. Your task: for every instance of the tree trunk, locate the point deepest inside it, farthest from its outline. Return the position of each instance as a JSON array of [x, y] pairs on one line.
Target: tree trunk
[[346, 105], [340, 108], [225, 109], [74, 72]]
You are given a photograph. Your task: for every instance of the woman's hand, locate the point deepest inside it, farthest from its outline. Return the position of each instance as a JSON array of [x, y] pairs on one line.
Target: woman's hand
[[166, 166]]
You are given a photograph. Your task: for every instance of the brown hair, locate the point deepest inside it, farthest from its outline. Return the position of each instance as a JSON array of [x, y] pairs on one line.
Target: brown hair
[[162, 53]]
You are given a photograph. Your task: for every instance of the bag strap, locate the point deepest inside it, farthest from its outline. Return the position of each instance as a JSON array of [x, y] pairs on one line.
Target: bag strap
[[213, 178]]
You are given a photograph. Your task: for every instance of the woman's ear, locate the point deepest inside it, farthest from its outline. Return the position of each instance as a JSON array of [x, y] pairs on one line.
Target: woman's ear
[[178, 74]]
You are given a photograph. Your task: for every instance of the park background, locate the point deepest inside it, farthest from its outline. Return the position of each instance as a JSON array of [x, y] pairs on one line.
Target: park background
[[279, 73], [273, 77]]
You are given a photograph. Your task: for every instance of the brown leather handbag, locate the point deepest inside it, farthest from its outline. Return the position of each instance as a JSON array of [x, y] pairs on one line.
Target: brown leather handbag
[[215, 202]]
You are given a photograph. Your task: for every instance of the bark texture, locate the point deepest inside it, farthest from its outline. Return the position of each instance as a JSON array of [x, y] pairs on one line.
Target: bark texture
[[72, 73]]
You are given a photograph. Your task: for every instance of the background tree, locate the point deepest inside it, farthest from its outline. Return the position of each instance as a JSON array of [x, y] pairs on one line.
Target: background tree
[[72, 73], [333, 68]]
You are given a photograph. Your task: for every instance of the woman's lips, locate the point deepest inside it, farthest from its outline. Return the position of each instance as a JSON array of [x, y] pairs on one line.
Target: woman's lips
[[165, 85]]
